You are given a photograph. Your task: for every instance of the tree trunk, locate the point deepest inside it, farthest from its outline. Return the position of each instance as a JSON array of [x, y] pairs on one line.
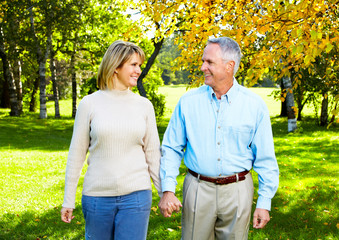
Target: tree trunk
[[42, 58], [55, 85], [74, 84], [283, 112], [8, 76], [5, 100], [292, 121], [324, 110], [42, 73], [333, 116], [157, 47], [42, 88], [32, 103], [18, 83], [15, 61], [299, 114]]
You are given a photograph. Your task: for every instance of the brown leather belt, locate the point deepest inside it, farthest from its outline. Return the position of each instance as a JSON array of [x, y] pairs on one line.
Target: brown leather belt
[[221, 181]]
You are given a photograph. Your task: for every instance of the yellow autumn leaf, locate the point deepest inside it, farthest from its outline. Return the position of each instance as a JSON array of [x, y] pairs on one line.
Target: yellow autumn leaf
[[329, 48], [307, 60], [154, 209]]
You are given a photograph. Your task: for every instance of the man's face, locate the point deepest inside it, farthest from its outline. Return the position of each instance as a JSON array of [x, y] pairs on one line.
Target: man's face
[[214, 67]]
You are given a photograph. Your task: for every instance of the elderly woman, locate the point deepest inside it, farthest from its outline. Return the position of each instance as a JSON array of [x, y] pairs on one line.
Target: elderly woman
[[118, 129]]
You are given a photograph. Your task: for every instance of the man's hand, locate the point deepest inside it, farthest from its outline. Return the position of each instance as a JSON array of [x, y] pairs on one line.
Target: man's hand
[[260, 218], [169, 203], [66, 214]]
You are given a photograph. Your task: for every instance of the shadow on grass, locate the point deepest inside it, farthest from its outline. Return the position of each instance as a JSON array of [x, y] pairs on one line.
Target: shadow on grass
[[31, 225], [30, 133], [306, 127], [302, 214]]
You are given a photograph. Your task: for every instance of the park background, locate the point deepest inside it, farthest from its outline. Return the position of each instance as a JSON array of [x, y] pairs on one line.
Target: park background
[[50, 51]]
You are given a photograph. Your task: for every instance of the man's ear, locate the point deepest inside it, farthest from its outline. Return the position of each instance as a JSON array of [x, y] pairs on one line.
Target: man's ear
[[230, 66]]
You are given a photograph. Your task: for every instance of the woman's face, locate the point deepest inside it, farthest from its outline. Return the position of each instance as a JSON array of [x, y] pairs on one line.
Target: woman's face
[[127, 75]]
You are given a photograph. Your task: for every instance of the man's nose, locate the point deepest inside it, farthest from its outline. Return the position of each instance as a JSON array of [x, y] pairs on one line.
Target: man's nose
[[203, 67]]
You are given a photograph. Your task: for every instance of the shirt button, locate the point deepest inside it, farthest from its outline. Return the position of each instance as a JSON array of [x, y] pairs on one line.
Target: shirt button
[[218, 159], [217, 111], [219, 127], [218, 143]]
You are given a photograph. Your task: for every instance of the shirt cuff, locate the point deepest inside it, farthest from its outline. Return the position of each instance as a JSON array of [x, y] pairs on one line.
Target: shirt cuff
[[264, 203], [168, 186]]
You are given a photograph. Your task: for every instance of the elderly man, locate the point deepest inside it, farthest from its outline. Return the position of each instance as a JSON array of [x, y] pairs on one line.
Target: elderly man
[[222, 130]]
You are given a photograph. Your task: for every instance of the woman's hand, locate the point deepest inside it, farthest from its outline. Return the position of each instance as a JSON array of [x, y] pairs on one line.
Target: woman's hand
[[67, 214]]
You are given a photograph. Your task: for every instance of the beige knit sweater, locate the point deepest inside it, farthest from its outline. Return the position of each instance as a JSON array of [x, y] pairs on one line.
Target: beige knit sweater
[[119, 131]]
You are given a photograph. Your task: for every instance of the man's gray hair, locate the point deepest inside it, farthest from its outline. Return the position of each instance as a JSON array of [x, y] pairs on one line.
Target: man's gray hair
[[230, 50]]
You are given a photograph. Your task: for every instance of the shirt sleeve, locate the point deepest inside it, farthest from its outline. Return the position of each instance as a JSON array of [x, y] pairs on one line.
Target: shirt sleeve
[[77, 152], [152, 148], [265, 163], [173, 145]]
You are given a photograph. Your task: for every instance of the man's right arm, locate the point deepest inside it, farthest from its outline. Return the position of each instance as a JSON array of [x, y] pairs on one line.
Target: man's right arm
[[173, 145]]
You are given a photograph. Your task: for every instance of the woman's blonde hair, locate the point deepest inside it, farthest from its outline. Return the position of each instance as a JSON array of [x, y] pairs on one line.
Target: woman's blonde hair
[[116, 55]]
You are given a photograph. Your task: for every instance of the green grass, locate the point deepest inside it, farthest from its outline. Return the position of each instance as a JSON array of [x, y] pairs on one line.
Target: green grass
[[33, 155]]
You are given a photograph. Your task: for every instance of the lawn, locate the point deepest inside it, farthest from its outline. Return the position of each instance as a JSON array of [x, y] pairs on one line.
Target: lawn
[[33, 155]]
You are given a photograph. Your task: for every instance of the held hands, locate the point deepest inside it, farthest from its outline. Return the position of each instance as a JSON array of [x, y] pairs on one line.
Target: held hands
[[66, 214], [260, 218], [169, 203]]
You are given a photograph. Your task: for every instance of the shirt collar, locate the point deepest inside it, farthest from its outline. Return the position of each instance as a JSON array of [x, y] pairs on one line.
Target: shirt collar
[[230, 95]]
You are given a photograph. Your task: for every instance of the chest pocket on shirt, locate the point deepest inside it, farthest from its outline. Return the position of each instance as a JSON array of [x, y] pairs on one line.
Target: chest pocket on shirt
[[237, 139]]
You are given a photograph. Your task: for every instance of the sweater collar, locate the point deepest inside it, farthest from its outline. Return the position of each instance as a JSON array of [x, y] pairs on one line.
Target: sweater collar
[[114, 92]]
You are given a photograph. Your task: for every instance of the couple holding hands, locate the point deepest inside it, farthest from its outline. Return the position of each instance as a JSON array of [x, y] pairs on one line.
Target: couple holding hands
[[221, 130]]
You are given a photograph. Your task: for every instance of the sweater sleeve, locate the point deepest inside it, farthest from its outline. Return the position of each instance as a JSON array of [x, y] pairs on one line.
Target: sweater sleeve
[[152, 148], [77, 152]]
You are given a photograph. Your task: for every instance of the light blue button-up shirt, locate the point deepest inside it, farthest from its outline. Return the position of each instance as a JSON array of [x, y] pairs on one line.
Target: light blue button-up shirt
[[221, 137]]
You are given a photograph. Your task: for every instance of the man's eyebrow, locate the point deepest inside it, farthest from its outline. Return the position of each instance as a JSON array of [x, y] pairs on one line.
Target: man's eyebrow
[[206, 60]]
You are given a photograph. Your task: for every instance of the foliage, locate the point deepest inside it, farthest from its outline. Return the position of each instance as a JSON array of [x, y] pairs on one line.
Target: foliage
[[33, 156], [88, 87], [151, 84], [275, 36], [81, 33], [166, 61]]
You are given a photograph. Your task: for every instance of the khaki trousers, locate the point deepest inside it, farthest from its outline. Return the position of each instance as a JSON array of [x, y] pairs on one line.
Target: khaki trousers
[[213, 211]]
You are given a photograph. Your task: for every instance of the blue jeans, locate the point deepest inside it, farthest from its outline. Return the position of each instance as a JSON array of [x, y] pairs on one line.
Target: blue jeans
[[120, 217]]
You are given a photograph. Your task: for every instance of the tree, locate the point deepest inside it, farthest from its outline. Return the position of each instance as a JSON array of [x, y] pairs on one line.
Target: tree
[[8, 76], [9, 35], [166, 61], [274, 35], [43, 43]]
